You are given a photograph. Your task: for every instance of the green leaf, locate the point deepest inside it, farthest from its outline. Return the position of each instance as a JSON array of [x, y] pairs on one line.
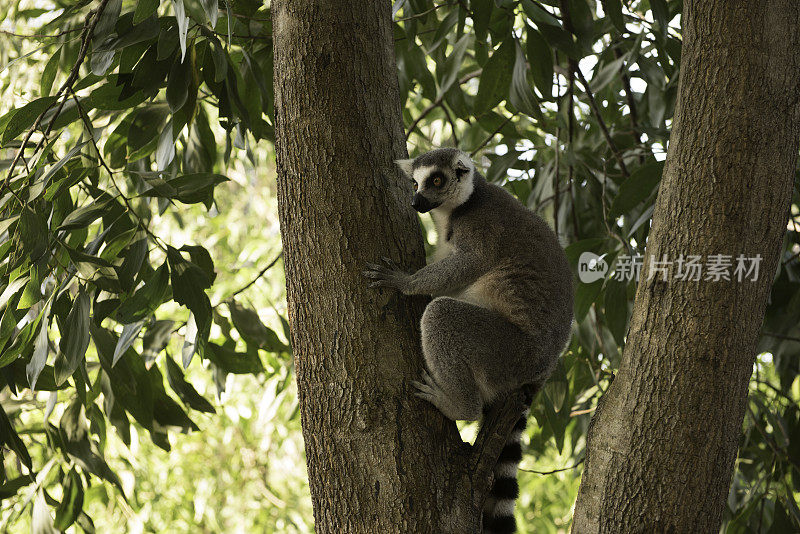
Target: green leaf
[[84, 216], [165, 151], [108, 19], [558, 424], [188, 188], [178, 84], [616, 309], [561, 39], [75, 340], [185, 390], [18, 120], [12, 289], [253, 330], [609, 72], [613, 9], [11, 488], [40, 352], [453, 64], [212, 11], [156, 338], [146, 299], [10, 438], [144, 9], [233, 362], [636, 188], [201, 257], [129, 334], [128, 385], [188, 288], [521, 96], [168, 39], [183, 24], [220, 58], [191, 341], [496, 77], [540, 57], [585, 295], [71, 503], [76, 443], [660, 13], [481, 16], [49, 73]]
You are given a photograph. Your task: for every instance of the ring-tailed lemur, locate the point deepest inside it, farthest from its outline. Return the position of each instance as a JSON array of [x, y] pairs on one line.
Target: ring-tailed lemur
[[502, 311]]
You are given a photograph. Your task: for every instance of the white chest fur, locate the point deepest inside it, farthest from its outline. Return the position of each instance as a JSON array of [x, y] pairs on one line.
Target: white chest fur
[[441, 220]]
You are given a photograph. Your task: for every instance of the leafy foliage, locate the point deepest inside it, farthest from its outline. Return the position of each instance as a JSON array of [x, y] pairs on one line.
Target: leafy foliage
[[124, 119]]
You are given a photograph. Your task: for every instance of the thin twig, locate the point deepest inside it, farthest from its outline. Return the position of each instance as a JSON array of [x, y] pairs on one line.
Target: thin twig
[[88, 124], [39, 35], [259, 275], [431, 10], [781, 336], [634, 115], [491, 135], [570, 468]]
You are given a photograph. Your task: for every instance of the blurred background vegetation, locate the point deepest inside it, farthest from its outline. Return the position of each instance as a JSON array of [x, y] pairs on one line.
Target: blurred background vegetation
[[146, 372]]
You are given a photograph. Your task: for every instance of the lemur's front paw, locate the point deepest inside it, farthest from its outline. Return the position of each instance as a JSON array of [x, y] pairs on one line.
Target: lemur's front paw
[[389, 275], [428, 389]]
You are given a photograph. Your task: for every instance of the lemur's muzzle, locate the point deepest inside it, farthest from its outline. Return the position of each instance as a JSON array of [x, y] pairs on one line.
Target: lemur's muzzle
[[422, 204]]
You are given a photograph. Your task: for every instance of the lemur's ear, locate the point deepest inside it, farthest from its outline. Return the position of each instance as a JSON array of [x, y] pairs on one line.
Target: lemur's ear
[[405, 165], [462, 166]]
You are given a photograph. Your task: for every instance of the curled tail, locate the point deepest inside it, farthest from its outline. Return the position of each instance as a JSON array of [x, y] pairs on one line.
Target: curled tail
[[498, 510]]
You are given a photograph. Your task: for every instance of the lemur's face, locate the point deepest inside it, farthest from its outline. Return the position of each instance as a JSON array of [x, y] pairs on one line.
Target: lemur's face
[[444, 184]]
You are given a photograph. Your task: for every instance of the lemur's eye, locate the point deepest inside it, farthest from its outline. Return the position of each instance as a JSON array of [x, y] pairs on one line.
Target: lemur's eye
[[437, 181], [415, 185]]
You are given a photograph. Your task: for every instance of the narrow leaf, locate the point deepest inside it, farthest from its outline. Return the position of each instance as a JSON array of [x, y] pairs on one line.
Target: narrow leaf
[[495, 79], [190, 342], [185, 390], [75, 341], [183, 24], [212, 11], [165, 151], [144, 8], [49, 73], [521, 96], [71, 503], [129, 334], [17, 121], [40, 351], [636, 188], [10, 438], [453, 63]]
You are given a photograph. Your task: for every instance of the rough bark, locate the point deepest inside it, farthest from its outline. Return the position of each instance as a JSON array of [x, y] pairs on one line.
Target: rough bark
[[379, 460], [662, 445]]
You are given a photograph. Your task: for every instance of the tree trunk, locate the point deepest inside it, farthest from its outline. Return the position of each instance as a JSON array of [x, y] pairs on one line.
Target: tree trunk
[[662, 445], [379, 460]]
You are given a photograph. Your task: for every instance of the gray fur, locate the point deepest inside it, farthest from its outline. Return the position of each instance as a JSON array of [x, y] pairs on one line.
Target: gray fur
[[503, 287]]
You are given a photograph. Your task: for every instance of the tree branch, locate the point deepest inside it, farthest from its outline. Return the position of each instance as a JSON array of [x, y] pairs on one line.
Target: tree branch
[[86, 37], [602, 123], [433, 105]]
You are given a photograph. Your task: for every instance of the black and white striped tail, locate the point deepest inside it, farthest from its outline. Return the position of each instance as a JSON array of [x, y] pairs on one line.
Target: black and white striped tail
[[498, 510]]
